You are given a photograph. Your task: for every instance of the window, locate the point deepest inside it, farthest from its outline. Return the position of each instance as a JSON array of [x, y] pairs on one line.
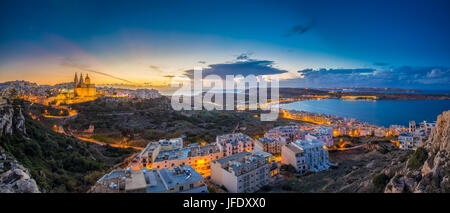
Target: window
[[191, 185], [181, 188]]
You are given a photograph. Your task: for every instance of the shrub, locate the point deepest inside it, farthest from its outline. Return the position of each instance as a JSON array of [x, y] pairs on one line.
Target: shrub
[[380, 180], [418, 158]]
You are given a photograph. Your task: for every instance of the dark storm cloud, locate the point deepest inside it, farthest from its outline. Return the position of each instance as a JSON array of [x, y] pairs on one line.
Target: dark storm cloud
[[300, 29], [245, 68], [405, 76]]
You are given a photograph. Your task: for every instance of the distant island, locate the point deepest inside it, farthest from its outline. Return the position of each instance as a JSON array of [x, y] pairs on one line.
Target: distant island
[[296, 94]]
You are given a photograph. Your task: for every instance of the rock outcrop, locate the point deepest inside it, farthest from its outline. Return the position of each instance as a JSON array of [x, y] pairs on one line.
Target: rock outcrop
[[6, 120], [10, 118], [432, 175], [14, 178]]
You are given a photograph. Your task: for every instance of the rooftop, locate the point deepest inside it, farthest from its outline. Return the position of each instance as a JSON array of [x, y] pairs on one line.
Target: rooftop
[[233, 138], [162, 180], [243, 162], [306, 144], [135, 181], [294, 148]]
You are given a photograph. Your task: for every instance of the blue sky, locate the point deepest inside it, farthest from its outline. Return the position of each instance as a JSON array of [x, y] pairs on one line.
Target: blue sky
[[405, 43]]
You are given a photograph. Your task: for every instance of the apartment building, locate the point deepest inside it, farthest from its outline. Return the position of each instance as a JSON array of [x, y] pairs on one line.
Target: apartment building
[[410, 140], [269, 145], [183, 179], [310, 155], [245, 172], [231, 144], [195, 155], [286, 134]]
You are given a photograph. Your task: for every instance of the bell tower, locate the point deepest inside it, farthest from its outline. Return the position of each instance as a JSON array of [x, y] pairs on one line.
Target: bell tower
[[75, 81]]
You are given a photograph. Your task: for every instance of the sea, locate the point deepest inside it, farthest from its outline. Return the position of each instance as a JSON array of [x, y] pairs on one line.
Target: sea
[[380, 112]]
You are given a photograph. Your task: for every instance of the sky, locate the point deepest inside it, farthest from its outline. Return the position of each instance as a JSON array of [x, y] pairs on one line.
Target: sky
[[347, 43]]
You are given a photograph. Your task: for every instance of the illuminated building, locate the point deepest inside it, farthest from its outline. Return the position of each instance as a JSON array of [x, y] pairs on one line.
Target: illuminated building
[[324, 134], [379, 132], [410, 140], [269, 145], [286, 134], [83, 87], [294, 156], [231, 144], [162, 155], [306, 155], [183, 179], [245, 172]]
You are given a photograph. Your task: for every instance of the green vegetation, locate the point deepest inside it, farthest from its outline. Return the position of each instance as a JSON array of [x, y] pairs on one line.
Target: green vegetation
[[418, 158], [149, 120], [60, 163], [102, 138], [380, 181]]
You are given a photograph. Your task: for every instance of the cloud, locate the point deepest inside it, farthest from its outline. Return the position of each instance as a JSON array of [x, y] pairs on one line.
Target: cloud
[[380, 64], [299, 29], [169, 76], [245, 68], [156, 68], [402, 77], [244, 56]]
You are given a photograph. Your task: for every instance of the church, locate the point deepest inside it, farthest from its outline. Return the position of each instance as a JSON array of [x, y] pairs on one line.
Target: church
[[83, 87]]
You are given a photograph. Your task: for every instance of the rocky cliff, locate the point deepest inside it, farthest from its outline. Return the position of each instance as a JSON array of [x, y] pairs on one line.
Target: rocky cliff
[[11, 117], [14, 178], [428, 170]]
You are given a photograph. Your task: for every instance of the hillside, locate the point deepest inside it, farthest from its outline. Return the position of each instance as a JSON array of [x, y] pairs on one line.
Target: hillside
[[56, 162], [140, 121]]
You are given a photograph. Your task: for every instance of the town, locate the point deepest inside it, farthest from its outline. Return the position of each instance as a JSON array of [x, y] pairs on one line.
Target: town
[[235, 162]]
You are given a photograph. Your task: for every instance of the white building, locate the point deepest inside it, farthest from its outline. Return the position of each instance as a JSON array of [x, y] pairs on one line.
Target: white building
[[427, 127], [245, 172], [410, 141], [324, 134], [365, 131], [306, 155], [286, 134], [183, 179], [379, 132], [147, 93], [155, 155], [173, 143], [231, 144]]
